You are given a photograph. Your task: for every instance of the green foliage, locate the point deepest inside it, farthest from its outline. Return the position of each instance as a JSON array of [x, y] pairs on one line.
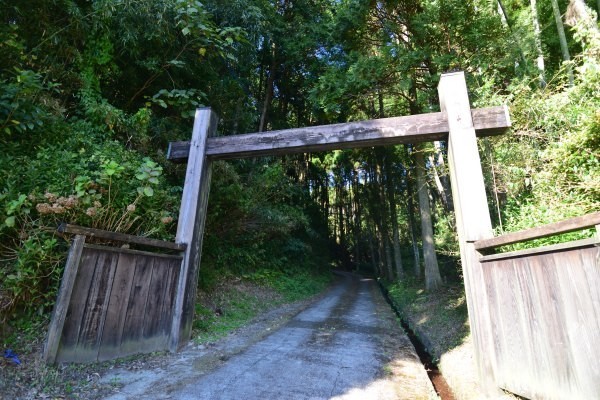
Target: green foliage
[[549, 167], [442, 315]]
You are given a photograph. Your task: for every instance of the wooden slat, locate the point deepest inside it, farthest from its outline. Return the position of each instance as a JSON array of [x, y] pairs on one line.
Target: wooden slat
[[110, 345], [121, 250], [73, 322], [64, 298], [94, 315], [541, 250], [385, 131], [159, 285], [120, 237], [569, 225], [138, 297]]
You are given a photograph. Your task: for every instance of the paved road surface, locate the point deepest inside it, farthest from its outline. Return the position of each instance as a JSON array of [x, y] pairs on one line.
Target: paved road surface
[[345, 346]]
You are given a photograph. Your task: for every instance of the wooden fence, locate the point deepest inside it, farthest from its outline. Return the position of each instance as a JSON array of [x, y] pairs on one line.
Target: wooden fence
[[113, 301], [544, 309]]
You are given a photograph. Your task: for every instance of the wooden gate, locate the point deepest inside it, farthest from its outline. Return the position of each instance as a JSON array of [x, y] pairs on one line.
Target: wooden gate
[[456, 122], [544, 309], [113, 301]]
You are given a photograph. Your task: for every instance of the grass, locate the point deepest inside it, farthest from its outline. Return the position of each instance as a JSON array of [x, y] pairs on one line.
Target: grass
[[441, 316], [232, 303]]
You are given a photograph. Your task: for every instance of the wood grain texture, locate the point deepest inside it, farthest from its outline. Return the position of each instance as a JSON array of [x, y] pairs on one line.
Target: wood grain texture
[[190, 229], [136, 308], [120, 237], [545, 310], [77, 306], [569, 225], [64, 298], [385, 131], [121, 304], [118, 304], [473, 220], [540, 250]]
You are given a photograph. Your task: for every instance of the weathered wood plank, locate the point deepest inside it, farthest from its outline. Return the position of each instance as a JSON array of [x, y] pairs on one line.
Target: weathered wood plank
[[168, 306], [578, 289], [121, 250], [120, 237], [385, 131], [541, 250], [190, 229], [569, 225], [96, 305], [473, 220], [118, 304], [73, 322], [545, 310], [64, 298], [159, 285], [136, 309]]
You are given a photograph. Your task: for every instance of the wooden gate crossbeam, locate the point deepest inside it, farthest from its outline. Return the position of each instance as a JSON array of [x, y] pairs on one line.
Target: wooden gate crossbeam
[[384, 131]]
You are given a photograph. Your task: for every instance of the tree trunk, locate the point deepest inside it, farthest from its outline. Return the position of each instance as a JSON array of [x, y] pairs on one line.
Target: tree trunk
[[563, 40], [442, 182], [389, 178], [433, 280], [268, 91], [413, 231], [507, 21], [538, 42]]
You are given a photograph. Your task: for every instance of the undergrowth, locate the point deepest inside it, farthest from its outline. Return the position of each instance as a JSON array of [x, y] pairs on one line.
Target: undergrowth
[[441, 315], [233, 302]]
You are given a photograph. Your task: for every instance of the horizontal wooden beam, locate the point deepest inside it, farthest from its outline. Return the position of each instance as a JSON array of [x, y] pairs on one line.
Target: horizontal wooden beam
[[556, 228], [384, 131], [553, 248], [120, 237]]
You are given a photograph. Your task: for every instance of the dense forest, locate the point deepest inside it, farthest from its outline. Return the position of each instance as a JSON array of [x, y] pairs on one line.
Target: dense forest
[[92, 93]]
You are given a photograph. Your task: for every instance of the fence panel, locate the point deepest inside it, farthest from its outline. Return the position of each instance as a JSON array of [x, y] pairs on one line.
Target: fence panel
[[544, 305], [121, 303]]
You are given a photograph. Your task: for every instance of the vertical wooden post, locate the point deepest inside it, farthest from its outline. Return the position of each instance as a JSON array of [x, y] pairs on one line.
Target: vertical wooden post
[[472, 217], [190, 228], [64, 299]]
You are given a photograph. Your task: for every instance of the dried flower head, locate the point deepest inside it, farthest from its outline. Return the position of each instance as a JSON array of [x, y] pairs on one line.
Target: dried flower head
[[50, 196], [91, 211], [166, 220], [131, 208], [58, 209], [44, 208]]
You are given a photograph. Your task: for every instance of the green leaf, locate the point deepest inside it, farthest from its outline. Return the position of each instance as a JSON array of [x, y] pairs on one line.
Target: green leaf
[[10, 221], [185, 31], [148, 191]]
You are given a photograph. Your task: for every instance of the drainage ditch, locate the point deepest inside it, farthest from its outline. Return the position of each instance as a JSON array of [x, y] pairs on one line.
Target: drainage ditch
[[435, 376]]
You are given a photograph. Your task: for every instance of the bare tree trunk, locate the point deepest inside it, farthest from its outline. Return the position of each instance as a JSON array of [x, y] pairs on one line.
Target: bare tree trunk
[[389, 177], [538, 42], [413, 233], [374, 262], [442, 181], [357, 219], [563, 40], [507, 21], [433, 279], [268, 91]]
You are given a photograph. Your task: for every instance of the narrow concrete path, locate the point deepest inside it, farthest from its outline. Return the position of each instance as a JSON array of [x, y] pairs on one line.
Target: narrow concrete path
[[345, 346]]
